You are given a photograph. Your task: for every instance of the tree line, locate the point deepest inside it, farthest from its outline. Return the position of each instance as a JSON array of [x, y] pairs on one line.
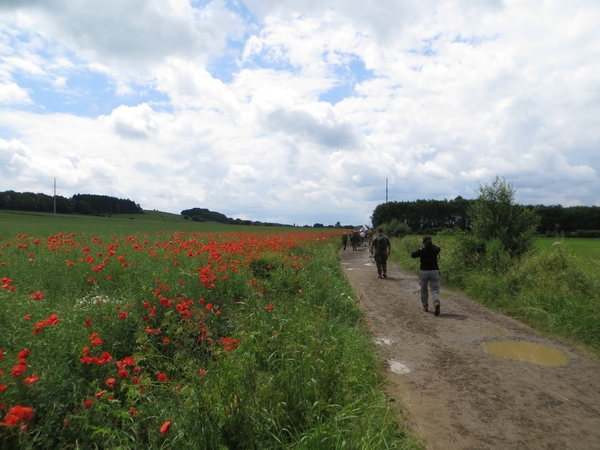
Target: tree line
[[431, 216], [206, 215], [88, 204]]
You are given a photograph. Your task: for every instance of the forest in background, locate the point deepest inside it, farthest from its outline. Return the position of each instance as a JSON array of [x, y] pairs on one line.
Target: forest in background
[[432, 216], [87, 204]]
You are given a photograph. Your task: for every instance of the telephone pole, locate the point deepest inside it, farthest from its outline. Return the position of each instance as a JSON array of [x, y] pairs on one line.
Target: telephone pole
[[386, 190]]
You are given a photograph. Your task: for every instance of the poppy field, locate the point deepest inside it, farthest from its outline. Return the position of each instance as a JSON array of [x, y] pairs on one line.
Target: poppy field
[[185, 340]]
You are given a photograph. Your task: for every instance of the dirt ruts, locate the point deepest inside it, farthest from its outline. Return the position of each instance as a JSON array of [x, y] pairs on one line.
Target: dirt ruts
[[454, 394]]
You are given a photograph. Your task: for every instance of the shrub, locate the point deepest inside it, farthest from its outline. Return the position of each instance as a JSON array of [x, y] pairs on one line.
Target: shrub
[[395, 228], [494, 215]]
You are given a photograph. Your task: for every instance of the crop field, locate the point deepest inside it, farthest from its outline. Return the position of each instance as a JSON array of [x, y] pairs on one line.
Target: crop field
[[162, 333], [585, 248]]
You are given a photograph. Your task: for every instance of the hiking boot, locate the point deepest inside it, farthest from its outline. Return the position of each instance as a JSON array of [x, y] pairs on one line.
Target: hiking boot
[[437, 309], [384, 275], [426, 308], [379, 276]]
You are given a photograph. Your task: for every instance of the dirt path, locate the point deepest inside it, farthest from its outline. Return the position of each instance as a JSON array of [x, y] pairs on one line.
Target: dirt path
[[455, 394]]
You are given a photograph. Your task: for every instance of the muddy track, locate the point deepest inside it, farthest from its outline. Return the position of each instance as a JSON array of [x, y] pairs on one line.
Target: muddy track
[[454, 394]]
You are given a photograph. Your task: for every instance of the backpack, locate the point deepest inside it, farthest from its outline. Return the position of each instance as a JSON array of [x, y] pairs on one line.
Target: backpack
[[381, 243]]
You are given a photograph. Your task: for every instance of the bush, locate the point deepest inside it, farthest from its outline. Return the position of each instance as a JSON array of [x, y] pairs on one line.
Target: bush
[[494, 215], [395, 228]]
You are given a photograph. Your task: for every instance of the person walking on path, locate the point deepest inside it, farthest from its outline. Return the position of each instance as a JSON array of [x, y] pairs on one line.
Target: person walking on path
[[382, 246], [344, 240], [430, 273]]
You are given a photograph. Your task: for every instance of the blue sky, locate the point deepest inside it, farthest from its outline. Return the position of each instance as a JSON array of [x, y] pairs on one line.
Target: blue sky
[[298, 111]]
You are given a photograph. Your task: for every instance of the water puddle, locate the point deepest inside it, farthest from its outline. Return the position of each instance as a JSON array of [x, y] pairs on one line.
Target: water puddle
[[528, 352], [398, 367]]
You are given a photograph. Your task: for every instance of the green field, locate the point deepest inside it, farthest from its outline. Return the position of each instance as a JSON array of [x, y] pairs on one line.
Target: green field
[[583, 248], [13, 223]]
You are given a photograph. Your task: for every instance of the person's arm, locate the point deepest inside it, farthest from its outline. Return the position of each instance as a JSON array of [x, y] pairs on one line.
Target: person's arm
[[389, 248], [416, 253]]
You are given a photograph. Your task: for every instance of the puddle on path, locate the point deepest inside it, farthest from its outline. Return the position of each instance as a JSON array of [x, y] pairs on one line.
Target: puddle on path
[[529, 352], [398, 367]]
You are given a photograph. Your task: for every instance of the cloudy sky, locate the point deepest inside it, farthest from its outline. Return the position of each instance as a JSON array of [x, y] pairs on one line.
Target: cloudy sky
[[297, 111]]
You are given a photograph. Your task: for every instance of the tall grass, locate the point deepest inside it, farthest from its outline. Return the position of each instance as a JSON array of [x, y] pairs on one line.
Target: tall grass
[[554, 288], [238, 340]]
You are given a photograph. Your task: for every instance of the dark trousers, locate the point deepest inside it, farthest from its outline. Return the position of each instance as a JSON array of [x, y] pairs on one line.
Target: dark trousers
[[381, 261]]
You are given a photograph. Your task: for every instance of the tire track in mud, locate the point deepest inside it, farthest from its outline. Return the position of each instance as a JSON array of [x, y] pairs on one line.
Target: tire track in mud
[[455, 394]]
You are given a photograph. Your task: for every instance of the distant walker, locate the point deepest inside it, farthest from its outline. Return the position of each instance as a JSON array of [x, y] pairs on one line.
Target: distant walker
[[381, 248]]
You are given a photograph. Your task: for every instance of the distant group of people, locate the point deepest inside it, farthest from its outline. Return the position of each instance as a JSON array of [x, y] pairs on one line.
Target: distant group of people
[[380, 248]]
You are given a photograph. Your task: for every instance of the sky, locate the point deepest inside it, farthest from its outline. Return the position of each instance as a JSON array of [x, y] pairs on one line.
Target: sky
[[300, 111]]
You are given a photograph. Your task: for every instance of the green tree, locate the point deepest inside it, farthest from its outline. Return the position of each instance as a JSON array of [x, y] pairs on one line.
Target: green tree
[[495, 216]]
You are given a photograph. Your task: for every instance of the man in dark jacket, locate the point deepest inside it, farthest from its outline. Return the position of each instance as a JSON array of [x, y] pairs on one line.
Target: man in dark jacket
[[430, 273]]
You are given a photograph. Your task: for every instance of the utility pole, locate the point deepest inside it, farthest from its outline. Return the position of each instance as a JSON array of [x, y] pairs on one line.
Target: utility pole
[[386, 190], [54, 195]]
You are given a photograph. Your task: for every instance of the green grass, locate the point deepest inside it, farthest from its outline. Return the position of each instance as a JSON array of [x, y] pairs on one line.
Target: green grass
[[555, 288], [583, 248], [13, 223], [281, 359]]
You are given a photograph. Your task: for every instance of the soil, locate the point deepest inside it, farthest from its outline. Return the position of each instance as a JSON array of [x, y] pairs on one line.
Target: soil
[[451, 392]]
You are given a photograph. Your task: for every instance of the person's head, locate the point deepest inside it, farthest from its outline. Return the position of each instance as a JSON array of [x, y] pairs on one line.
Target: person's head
[[380, 230], [427, 241]]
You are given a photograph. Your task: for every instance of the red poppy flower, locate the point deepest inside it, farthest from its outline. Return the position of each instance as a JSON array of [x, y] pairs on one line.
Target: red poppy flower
[[52, 320], [32, 379], [135, 380], [123, 373], [202, 372], [2, 387], [133, 412], [123, 315], [97, 341], [100, 394], [23, 354], [88, 322], [270, 307], [16, 415], [38, 327], [111, 382], [129, 361], [106, 357], [37, 295], [88, 403], [27, 317], [162, 377], [165, 427]]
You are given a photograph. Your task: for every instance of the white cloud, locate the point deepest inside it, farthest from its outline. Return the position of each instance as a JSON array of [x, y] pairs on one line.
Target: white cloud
[[11, 93], [451, 93], [134, 122]]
